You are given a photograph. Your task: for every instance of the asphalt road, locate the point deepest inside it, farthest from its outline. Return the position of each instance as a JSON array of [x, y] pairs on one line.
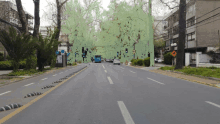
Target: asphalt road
[[115, 94]]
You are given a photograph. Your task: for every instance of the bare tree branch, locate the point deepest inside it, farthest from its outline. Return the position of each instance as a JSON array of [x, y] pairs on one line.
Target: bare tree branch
[[168, 5]]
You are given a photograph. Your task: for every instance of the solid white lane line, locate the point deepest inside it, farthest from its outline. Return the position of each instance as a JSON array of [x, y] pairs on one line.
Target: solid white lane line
[[110, 80], [155, 81], [5, 93], [122, 68], [61, 72], [105, 71], [132, 72], [55, 75], [29, 84], [44, 79], [127, 117], [216, 105]]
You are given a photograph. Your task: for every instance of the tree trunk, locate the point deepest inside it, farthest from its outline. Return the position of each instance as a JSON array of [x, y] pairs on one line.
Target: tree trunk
[[58, 19], [36, 18], [22, 17], [182, 29], [15, 65]]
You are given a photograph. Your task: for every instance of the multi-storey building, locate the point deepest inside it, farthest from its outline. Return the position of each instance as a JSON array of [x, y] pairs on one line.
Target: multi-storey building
[[202, 25], [8, 12]]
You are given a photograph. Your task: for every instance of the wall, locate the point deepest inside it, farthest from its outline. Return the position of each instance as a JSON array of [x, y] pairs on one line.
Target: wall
[[207, 34], [204, 58]]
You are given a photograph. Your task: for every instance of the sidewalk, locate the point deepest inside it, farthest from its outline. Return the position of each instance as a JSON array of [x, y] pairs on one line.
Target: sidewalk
[[214, 82]]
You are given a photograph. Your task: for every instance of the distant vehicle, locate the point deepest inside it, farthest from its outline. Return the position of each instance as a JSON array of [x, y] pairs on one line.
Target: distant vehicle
[[158, 60], [116, 61], [97, 58]]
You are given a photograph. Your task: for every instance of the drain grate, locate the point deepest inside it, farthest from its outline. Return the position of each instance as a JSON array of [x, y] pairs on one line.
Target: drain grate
[[10, 106]]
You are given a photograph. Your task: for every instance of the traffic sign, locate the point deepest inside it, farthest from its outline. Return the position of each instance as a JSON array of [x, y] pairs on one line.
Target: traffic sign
[[173, 53], [62, 51], [57, 52]]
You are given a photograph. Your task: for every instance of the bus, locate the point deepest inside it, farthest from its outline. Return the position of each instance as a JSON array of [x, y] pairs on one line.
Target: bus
[[97, 58]]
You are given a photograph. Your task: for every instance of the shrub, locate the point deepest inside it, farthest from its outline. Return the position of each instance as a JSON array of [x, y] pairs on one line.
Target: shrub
[[80, 61], [140, 62], [31, 62], [133, 60], [168, 58], [147, 61], [5, 65], [74, 63], [1, 56]]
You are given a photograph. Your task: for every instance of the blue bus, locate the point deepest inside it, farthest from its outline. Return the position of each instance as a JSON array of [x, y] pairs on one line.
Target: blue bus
[[97, 58]]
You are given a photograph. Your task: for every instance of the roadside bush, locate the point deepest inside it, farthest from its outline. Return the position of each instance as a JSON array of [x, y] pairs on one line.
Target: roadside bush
[[140, 62], [74, 63], [212, 67], [7, 65], [31, 62], [133, 60], [23, 72], [1, 56], [168, 58], [79, 61], [147, 61]]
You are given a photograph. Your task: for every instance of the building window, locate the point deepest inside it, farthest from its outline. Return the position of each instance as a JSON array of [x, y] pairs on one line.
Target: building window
[[191, 22], [175, 30], [191, 36]]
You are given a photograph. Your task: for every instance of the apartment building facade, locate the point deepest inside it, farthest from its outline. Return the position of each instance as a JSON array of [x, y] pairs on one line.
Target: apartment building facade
[[8, 12], [202, 25]]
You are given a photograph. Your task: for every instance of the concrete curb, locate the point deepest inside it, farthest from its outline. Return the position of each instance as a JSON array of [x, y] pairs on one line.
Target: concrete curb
[[35, 75]]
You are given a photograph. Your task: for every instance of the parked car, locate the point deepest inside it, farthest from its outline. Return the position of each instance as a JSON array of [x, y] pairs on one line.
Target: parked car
[[116, 61], [158, 60]]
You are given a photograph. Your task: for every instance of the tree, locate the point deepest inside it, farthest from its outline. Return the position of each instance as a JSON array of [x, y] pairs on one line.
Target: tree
[[36, 18], [182, 32], [22, 17], [19, 47], [45, 48]]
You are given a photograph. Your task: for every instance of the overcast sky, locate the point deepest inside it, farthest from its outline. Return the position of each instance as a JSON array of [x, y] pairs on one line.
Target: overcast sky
[[29, 6]]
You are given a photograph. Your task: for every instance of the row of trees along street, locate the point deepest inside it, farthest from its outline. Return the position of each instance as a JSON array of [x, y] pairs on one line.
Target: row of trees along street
[[22, 45]]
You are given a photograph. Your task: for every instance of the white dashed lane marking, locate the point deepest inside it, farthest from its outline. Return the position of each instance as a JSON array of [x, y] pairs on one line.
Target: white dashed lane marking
[[5, 93], [125, 113], [44, 79], [216, 105], [110, 80], [155, 81], [28, 84]]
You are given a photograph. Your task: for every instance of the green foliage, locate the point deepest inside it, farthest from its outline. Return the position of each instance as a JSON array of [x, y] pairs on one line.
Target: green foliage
[[168, 58], [203, 71], [79, 61], [23, 72], [1, 56], [7, 65], [74, 63], [31, 62], [212, 67], [140, 62], [18, 46], [147, 61], [133, 60]]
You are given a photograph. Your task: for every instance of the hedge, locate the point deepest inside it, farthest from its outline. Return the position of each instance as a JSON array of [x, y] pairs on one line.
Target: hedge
[[147, 61], [168, 58], [7, 65], [140, 62]]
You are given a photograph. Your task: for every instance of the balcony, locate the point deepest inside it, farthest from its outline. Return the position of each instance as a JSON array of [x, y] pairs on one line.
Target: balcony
[[191, 44]]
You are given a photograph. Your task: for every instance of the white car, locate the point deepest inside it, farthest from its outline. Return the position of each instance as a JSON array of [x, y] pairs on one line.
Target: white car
[[158, 60], [116, 61]]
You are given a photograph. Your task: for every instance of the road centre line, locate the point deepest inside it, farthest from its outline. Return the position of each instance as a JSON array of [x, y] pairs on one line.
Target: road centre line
[[44, 79], [216, 105], [155, 81], [110, 80], [5, 93], [28, 84], [105, 71], [125, 113], [55, 75]]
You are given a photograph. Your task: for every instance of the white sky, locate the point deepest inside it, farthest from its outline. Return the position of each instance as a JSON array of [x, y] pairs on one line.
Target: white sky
[[29, 6]]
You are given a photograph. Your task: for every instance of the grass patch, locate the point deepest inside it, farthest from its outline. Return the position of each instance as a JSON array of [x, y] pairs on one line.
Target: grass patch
[[27, 72], [202, 71], [2, 82]]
